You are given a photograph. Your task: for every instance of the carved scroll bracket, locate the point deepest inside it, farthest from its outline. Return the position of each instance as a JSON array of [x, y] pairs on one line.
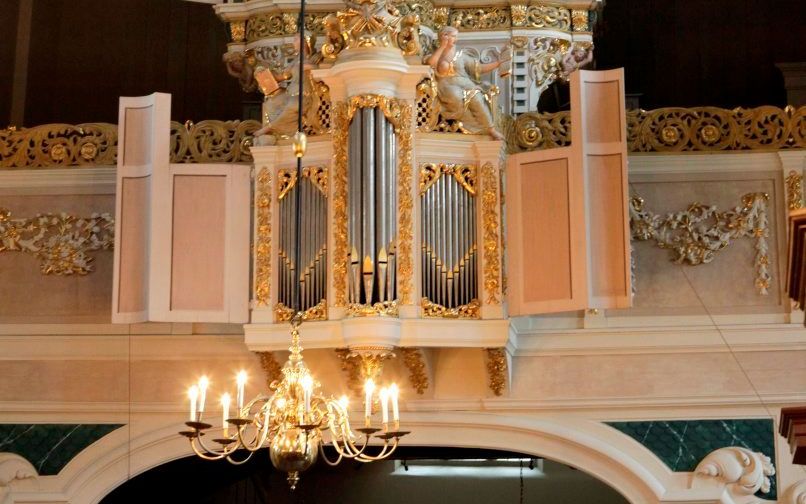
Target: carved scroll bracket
[[499, 365], [742, 472]]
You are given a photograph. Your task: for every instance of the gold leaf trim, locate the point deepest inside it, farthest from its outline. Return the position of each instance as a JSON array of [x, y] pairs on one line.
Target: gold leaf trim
[[464, 174], [283, 313], [263, 238], [341, 122], [434, 310], [794, 190], [384, 309], [496, 370], [415, 363], [491, 226]]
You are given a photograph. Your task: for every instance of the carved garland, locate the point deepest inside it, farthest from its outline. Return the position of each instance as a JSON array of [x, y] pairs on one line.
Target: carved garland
[[490, 223], [272, 368], [434, 310], [415, 363], [341, 122], [698, 233], [60, 242], [794, 190], [497, 369], [263, 241]]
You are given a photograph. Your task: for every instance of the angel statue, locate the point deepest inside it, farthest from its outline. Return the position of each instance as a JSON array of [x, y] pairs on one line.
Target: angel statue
[[461, 93], [576, 57], [279, 84]]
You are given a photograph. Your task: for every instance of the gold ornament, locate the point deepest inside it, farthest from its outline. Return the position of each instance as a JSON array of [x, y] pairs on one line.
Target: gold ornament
[[491, 227], [263, 238]]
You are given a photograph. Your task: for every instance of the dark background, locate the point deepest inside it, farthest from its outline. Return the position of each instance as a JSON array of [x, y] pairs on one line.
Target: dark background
[[86, 53]]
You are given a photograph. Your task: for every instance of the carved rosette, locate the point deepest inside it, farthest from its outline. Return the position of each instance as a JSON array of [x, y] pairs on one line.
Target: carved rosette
[[263, 238], [742, 471], [490, 232]]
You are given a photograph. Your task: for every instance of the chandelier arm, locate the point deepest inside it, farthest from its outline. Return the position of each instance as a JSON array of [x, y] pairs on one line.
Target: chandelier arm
[[324, 457], [384, 453], [239, 462], [207, 454]]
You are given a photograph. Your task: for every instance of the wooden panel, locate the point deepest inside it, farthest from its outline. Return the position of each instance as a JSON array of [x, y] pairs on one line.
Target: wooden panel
[[198, 249], [133, 244], [135, 148], [545, 232], [597, 106]]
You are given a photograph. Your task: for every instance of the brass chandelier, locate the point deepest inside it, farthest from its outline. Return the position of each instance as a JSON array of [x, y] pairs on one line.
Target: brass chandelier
[[295, 422]]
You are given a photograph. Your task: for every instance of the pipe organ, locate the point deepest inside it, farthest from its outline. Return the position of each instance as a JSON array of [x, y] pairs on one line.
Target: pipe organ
[[448, 224], [372, 216], [303, 273]]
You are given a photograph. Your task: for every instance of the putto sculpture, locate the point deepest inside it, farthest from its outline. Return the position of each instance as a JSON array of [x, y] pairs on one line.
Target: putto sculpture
[[461, 93]]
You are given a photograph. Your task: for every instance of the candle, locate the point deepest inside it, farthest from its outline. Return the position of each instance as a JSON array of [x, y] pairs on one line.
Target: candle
[[193, 394], [203, 383], [384, 395], [369, 388], [344, 402], [393, 392], [307, 389], [225, 413], [240, 379]]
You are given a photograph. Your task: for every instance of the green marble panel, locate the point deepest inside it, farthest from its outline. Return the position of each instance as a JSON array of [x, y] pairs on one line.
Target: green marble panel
[[682, 444], [49, 447]]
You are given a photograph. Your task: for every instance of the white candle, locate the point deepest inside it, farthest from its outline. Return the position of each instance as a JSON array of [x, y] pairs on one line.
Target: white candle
[[307, 389], [369, 388], [241, 382], [344, 402], [203, 383], [393, 392], [384, 395], [193, 394], [225, 413]]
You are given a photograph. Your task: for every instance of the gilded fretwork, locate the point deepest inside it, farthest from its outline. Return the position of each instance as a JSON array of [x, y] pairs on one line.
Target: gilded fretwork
[[491, 234], [697, 234], [61, 242], [464, 174]]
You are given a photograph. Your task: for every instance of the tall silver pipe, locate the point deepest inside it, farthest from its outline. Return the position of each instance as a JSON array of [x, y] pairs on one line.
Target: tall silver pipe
[[392, 153], [281, 249], [462, 234], [354, 204], [368, 258], [381, 200], [308, 218], [424, 242], [449, 196]]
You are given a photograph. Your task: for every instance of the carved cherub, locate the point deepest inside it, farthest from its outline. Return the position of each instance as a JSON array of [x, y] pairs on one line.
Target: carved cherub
[[459, 88], [280, 86], [242, 65], [576, 57]]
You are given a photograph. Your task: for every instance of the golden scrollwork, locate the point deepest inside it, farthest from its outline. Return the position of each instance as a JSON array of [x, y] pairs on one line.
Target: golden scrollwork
[[318, 177], [281, 24], [362, 365], [698, 233], [491, 228], [212, 141], [536, 130], [381, 309], [341, 122], [405, 205], [470, 310], [237, 31], [283, 313], [496, 370], [541, 16], [415, 363], [61, 242], [580, 20], [794, 190], [271, 368], [464, 174], [263, 238], [481, 18], [286, 180], [716, 129], [59, 145]]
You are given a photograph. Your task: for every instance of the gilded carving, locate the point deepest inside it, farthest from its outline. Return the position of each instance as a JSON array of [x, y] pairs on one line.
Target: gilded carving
[[466, 311], [537, 130], [237, 30], [283, 313], [263, 238], [380, 309], [491, 229], [341, 122], [794, 190], [361, 365], [212, 141], [281, 24], [318, 177], [271, 368], [481, 18], [61, 242], [286, 180], [698, 233], [415, 363], [405, 176], [464, 174], [58, 145], [496, 370], [580, 21]]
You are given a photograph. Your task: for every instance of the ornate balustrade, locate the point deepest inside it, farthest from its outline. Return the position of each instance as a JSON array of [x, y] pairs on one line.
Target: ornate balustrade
[[659, 130]]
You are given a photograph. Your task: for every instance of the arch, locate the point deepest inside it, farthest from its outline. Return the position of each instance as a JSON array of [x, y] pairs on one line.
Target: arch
[[587, 445]]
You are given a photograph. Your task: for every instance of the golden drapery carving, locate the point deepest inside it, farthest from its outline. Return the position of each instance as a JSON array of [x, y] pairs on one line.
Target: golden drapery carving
[[491, 269], [263, 238], [283, 313], [697, 234], [60, 241]]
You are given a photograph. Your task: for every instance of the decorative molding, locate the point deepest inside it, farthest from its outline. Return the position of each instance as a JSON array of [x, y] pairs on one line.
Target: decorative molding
[[263, 238], [795, 494], [497, 370], [742, 471], [15, 468], [470, 310], [696, 234], [59, 145], [272, 369], [794, 190], [61, 242], [491, 238], [380, 309], [414, 361]]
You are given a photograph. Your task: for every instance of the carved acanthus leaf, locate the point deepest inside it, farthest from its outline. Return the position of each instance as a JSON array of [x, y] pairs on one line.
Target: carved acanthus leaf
[[15, 468], [742, 471]]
